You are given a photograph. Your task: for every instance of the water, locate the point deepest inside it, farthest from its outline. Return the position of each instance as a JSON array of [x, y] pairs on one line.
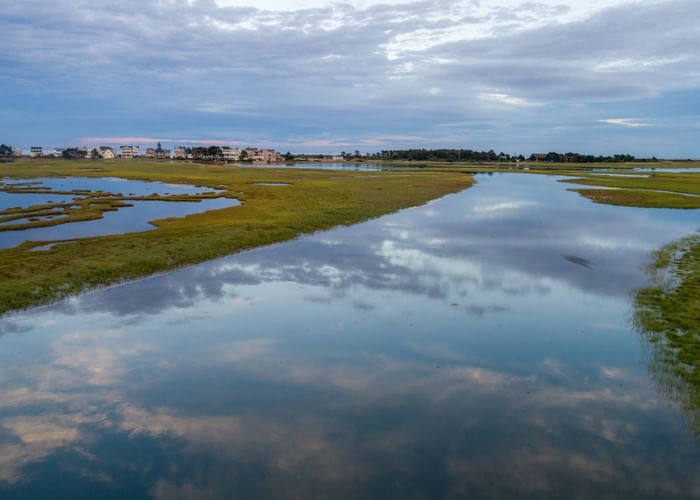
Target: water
[[669, 170], [128, 219], [15, 200], [125, 220], [477, 346], [364, 167], [113, 185]]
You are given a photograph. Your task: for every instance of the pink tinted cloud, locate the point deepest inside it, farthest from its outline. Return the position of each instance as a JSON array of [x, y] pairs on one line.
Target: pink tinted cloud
[[154, 140], [325, 143]]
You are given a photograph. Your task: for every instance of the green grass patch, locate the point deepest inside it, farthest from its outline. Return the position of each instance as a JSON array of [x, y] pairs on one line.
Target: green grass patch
[[639, 198], [657, 190]]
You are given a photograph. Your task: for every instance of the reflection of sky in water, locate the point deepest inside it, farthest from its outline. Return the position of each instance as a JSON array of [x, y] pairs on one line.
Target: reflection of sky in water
[[125, 220], [669, 170], [14, 200], [128, 219], [368, 167], [477, 344], [113, 185]]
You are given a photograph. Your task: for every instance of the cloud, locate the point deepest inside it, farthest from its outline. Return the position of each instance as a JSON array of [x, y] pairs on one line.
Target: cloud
[[507, 100], [514, 75], [153, 140], [626, 122]]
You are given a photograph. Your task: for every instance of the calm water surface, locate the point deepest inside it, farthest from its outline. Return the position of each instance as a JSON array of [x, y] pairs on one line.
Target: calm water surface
[[365, 167], [669, 170], [113, 185], [128, 219], [479, 346]]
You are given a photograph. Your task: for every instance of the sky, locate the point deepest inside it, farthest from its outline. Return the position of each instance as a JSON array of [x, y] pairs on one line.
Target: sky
[[596, 76]]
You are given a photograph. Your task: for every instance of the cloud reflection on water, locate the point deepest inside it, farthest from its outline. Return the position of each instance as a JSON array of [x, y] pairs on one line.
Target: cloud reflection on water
[[462, 244], [409, 356]]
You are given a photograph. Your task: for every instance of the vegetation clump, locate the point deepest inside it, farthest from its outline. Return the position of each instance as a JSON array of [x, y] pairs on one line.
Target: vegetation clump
[[668, 315]]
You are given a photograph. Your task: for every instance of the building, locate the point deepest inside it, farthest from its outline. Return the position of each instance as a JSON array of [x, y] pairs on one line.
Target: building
[[36, 152], [263, 155], [57, 153], [251, 154], [129, 152], [106, 153], [270, 156], [334, 158], [230, 154], [162, 154], [17, 152], [150, 153], [181, 152]]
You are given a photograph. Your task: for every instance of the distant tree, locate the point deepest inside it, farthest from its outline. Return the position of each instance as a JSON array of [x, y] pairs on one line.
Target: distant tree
[[244, 155], [73, 154], [214, 152], [5, 151], [94, 154], [287, 157]]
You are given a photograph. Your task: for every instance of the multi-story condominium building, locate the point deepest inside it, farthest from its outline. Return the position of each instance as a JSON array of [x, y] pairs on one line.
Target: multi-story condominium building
[[230, 154], [150, 153], [17, 152], [129, 152], [252, 154], [106, 153], [263, 155], [36, 151], [270, 156], [180, 152]]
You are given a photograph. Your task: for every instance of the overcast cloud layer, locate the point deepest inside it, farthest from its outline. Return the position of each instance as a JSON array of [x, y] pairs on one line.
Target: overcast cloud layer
[[599, 76]]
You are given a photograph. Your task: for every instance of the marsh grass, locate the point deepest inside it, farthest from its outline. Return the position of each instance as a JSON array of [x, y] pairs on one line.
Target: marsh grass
[[315, 200], [639, 198], [658, 190], [668, 314]]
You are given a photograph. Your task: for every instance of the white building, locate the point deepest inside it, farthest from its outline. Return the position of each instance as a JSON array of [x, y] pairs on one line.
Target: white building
[[129, 152], [17, 152], [180, 152], [106, 153], [230, 154]]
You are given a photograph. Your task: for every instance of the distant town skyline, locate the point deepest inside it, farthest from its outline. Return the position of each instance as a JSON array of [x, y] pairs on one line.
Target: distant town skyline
[[598, 77]]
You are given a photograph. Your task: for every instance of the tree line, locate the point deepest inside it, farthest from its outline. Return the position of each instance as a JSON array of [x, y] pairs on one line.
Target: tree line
[[455, 155]]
